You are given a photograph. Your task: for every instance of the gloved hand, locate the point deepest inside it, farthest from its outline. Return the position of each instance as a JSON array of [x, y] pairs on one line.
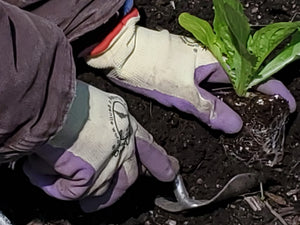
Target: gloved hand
[[170, 69], [98, 154]]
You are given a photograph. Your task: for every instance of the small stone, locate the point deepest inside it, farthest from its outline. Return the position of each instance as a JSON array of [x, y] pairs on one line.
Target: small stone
[[232, 206], [284, 8], [295, 198], [172, 3], [199, 181], [171, 222], [254, 10], [158, 16]]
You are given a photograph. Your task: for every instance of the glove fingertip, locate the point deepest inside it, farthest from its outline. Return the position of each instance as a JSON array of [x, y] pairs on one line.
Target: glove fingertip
[[157, 162], [292, 102], [225, 119], [172, 168], [272, 87]]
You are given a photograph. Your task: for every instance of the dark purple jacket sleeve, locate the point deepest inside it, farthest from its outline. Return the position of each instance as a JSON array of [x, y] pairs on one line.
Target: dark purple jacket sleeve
[[37, 69], [74, 17], [37, 85]]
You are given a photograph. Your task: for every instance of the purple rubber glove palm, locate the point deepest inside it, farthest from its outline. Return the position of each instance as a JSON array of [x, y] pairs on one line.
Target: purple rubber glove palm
[[98, 154], [170, 69]]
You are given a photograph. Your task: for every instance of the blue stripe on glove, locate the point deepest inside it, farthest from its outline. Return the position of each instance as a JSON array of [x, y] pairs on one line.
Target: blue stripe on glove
[[127, 7]]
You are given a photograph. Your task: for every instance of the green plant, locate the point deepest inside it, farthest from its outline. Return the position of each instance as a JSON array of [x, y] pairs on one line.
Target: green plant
[[243, 54]]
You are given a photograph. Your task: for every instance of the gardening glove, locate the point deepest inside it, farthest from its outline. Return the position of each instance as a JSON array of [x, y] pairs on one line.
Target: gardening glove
[[98, 154], [168, 68]]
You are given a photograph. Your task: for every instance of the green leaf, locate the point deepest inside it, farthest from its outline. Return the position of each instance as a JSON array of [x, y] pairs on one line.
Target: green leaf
[[204, 33], [288, 55], [200, 28], [220, 14], [220, 23], [243, 71], [296, 37], [238, 25], [232, 27], [221, 28], [265, 40]]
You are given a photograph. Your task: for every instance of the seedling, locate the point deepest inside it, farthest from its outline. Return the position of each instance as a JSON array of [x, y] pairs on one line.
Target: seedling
[[243, 54]]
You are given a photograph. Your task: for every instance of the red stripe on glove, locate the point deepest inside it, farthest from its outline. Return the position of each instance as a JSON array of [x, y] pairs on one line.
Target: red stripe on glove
[[107, 40]]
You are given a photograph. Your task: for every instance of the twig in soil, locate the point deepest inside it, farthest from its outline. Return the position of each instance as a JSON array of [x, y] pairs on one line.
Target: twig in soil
[[255, 203], [12, 165], [292, 192], [198, 166], [262, 196], [277, 215], [287, 211], [294, 16], [294, 167]]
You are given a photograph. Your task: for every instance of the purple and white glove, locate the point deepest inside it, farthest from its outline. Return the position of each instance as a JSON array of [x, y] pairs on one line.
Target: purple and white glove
[[98, 154], [170, 69]]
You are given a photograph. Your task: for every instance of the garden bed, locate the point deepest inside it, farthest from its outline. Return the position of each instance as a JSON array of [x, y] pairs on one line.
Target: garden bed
[[204, 165]]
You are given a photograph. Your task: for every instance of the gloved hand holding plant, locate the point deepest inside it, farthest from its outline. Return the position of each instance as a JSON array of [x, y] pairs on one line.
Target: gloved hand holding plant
[[170, 69]]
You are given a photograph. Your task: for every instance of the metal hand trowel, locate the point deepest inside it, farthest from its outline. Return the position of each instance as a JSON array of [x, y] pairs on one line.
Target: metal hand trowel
[[237, 185]]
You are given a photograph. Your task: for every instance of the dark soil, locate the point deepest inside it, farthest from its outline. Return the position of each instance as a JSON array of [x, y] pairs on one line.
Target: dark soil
[[204, 165]]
